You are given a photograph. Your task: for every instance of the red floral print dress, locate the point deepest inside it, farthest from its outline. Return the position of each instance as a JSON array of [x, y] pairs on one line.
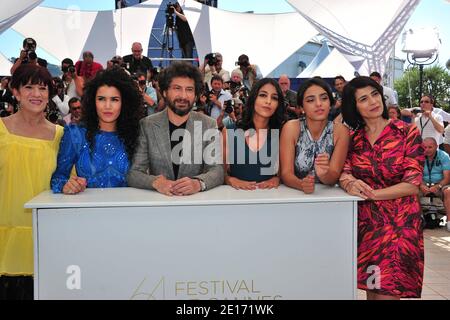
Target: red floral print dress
[[390, 238]]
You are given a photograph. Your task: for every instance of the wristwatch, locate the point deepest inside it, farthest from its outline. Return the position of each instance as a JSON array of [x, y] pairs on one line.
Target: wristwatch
[[440, 186], [202, 185]]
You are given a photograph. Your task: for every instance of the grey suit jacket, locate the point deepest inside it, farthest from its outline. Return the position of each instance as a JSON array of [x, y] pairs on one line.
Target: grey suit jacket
[[153, 157]]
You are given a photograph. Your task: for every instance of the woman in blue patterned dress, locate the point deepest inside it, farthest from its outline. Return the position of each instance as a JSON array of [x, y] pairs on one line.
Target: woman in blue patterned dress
[[313, 149], [101, 147]]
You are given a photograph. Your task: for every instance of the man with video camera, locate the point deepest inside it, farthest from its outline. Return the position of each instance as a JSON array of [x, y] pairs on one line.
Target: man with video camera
[[213, 66], [183, 30], [28, 55], [250, 72], [217, 97]]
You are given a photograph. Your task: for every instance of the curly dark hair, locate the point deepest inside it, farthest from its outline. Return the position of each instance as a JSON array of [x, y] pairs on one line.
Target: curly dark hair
[[180, 70], [131, 111], [276, 121], [350, 112]]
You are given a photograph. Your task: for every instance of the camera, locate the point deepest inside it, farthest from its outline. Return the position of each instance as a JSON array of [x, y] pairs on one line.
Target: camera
[[229, 106], [211, 59], [170, 10], [66, 69], [30, 48], [416, 110]]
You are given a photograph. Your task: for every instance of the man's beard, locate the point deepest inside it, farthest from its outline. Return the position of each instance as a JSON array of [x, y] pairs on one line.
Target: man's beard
[[177, 111]]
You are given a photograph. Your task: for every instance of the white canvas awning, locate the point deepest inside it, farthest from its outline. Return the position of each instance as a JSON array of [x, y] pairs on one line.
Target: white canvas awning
[[12, 11], [67, 33], [363, 31]]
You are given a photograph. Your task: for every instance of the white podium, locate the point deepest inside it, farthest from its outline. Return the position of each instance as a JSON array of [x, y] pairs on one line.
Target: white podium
[[126, 243]]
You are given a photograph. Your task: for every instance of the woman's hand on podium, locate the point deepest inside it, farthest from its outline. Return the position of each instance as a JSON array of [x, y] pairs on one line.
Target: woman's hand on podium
[[75, 185]]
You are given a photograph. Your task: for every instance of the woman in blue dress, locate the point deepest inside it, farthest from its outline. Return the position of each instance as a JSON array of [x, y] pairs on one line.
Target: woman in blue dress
[[101, 147], [313, 149], [251, 150]]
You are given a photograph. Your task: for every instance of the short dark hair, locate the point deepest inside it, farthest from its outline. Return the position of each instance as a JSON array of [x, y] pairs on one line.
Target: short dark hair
[[314, 82], [376, 74], [277, 119], [180, 69], [350, 112], [216, 77], [73, 100], [339, 78], [67, 61], [34, 74]]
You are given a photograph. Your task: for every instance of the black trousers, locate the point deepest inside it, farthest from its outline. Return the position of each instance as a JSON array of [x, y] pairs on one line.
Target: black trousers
[[16, 288]]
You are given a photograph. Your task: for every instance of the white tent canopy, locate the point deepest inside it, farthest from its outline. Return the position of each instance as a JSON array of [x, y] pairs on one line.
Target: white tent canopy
[[364, 39], [365, 33], [12, 11], [334, 64], [68, 33], [268, 39], [5, 65]]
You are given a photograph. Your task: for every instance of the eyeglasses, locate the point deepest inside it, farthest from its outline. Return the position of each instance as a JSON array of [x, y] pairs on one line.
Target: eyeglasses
[[179, 90], [75, 108], [425, 101]]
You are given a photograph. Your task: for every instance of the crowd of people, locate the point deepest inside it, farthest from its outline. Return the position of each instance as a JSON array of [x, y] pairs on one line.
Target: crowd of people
[[131, 125]]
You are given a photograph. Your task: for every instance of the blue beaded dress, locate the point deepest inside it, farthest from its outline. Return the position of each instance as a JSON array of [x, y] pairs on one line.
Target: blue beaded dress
[[105, 166]]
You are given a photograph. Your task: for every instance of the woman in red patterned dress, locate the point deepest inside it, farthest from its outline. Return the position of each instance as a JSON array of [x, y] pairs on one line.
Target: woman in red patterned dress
[[384, 166]]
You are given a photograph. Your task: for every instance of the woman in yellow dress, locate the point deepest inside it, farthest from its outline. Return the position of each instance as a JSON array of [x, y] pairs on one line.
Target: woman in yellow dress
[[28, 149]]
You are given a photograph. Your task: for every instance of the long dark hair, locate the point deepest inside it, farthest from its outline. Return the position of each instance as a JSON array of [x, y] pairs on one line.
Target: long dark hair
[[276, 120], [350, 112], [314, 82], [131, 111]]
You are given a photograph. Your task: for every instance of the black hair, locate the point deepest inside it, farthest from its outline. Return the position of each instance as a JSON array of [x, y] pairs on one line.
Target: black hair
[[314, 82], [131, 111], [276, 121], [73, 100], [180, 70], [339, 78], [216, 77], [350, 112], [67, 61], [376, 74], [30, 73]]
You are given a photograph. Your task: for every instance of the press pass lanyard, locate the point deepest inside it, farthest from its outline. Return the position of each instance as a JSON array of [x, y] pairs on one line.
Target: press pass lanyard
[[423, 126], [430, 167]]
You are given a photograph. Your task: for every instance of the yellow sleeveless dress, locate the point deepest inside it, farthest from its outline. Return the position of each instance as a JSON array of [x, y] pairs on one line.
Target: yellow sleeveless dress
[[26, 166]]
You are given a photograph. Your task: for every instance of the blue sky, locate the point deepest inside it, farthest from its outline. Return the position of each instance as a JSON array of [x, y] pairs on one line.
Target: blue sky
[[433, 13]]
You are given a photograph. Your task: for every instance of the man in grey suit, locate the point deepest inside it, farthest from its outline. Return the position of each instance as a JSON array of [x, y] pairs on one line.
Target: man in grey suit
[[179, 150]]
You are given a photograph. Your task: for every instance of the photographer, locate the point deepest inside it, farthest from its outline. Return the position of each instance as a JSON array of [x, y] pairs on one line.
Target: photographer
[[148, 94], [231, 114], [68, 78], [290, 98], [250, 72], [217, 97], [184, 33], [87, 68], [28, 55], [137, 62], [213, 66], [7, 100], [58, 105]]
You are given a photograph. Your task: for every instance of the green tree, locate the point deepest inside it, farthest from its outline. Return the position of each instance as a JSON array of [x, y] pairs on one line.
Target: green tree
[[436, 81]]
